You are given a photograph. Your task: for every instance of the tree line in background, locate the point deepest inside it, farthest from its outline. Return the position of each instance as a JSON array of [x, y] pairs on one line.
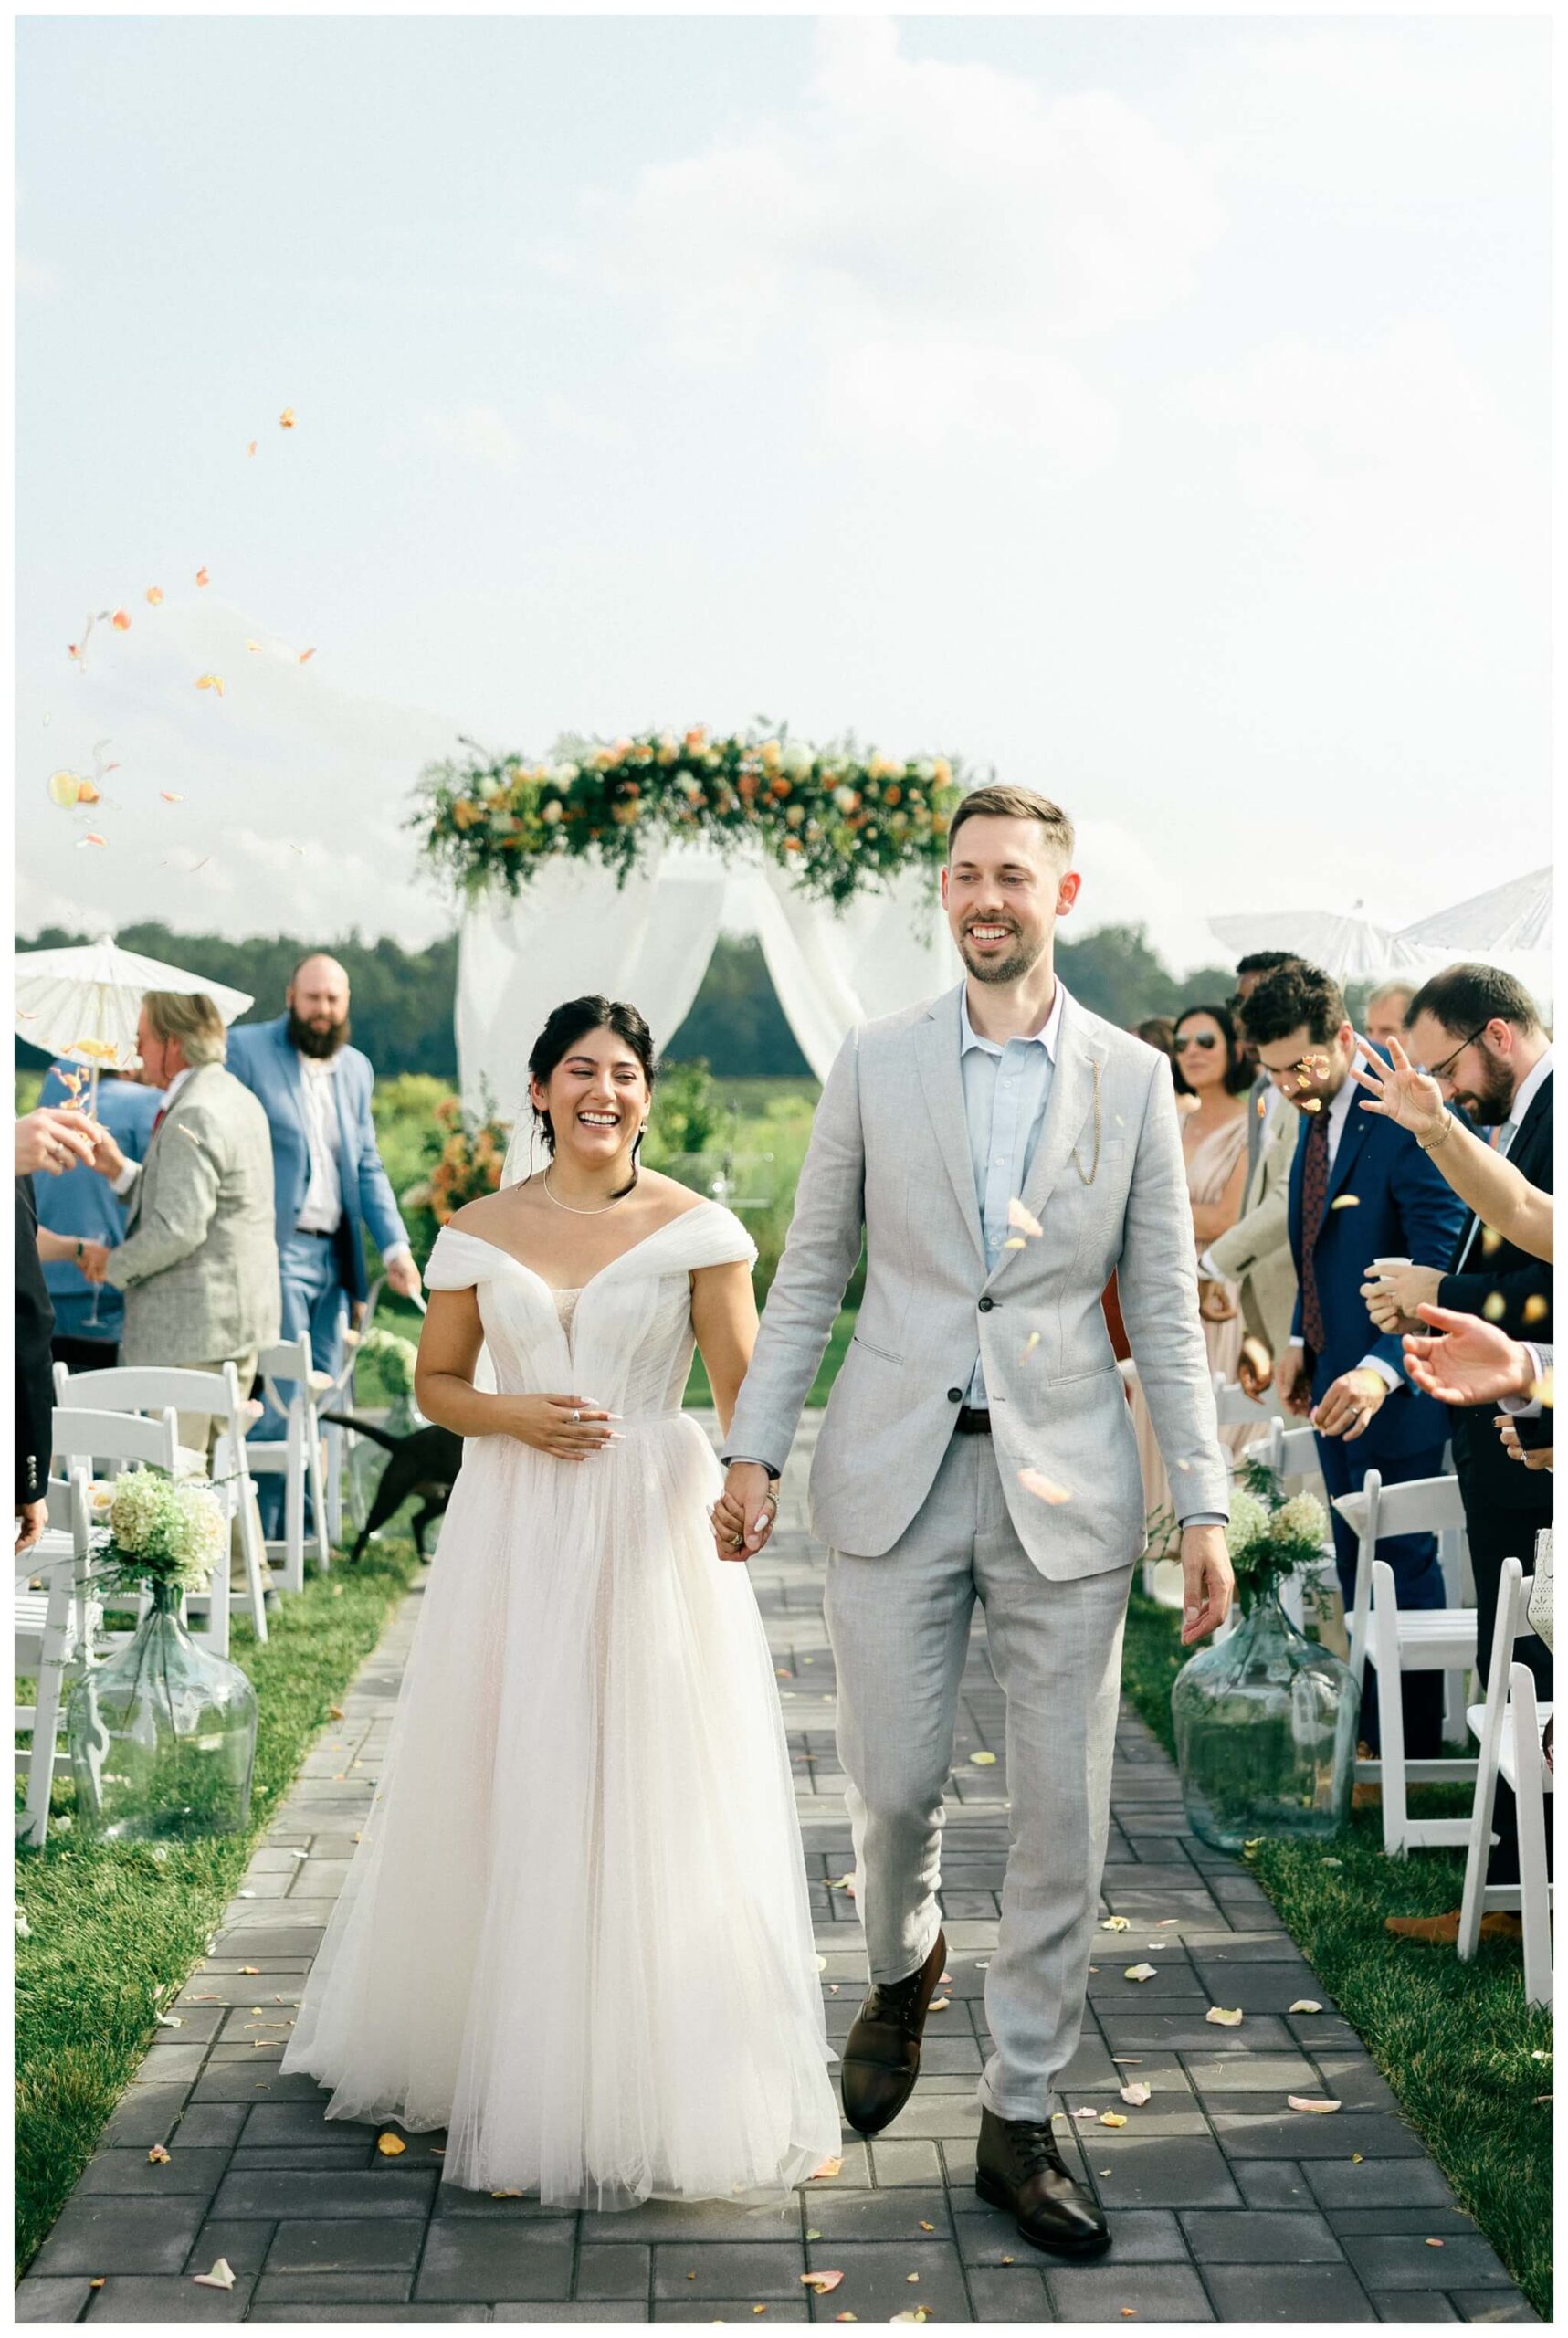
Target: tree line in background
[[403, 1000]]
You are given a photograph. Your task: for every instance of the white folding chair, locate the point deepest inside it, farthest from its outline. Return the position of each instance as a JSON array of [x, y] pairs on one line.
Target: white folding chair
[[145, 1388], [1236, 1409], [296, 1455], [50, 1614], [1508, 1728], [87, 1439], [338, 1397], [1406, 1639]]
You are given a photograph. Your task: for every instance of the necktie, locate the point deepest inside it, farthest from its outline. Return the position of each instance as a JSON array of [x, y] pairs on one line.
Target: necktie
[[1314, 1193], [158, 1119]]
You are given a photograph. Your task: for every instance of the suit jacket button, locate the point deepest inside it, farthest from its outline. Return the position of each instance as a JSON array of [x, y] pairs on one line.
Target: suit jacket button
[[986, 1305], [955, 1396]]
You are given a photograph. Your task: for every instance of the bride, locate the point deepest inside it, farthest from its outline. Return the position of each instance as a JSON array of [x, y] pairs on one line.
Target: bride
[[576, 1932]]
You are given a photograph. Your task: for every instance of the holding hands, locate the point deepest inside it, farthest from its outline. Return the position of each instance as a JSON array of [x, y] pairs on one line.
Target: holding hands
[[744, 1513]]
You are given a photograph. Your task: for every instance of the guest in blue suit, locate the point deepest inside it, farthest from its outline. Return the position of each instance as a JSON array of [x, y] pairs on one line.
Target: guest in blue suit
[[1360, 1188], [91, 1317], [328, 1176]]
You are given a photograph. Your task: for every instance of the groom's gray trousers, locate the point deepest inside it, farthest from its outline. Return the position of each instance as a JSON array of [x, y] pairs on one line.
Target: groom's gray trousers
[[899, 1628]]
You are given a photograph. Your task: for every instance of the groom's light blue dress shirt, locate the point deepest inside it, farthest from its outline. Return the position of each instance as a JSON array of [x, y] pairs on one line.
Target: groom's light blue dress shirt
[[1006, 1093]]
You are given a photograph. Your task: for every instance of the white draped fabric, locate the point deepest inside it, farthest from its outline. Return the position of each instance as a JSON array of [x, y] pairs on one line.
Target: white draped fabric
[[572, 932]]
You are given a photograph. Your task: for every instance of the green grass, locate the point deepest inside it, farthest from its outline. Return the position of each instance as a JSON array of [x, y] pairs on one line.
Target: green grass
[[115, 1932], [1455, 2041]]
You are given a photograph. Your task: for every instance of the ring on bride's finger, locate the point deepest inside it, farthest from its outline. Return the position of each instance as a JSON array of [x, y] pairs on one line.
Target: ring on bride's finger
[[577, 1416]]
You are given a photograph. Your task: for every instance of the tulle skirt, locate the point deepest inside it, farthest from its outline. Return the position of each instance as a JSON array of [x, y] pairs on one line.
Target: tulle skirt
[[576, 1932]]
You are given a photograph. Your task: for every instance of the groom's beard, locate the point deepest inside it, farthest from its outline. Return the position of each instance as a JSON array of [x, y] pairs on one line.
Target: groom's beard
[[1012, 967]]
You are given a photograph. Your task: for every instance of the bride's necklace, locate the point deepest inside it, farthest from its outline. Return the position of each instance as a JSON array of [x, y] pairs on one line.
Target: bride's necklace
[[575, 1208]]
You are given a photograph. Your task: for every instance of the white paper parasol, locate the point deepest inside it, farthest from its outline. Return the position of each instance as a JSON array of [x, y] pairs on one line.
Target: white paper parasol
[[1514, 917], [1349, 947], [81, 1004]]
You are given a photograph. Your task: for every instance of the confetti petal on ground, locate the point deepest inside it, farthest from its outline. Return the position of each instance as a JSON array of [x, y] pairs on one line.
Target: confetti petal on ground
[[821, 2282], [390, 2146], [1356, 2158], [1434, 2244], [1306, 2004], [1113, 2118], [828, 2167], [1045, 1489], [250, 1968], [1306, 2103], [220, 2277], [1116, 1924], [1137, 2095], [158, 2156], [982, 1761], [1085, 2111], [1225, 2016], [924, 2227], [1139, 1972], [939, 2005]]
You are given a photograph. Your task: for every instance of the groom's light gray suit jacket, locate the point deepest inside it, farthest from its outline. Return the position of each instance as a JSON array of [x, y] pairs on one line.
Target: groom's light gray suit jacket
[[890, 1158]]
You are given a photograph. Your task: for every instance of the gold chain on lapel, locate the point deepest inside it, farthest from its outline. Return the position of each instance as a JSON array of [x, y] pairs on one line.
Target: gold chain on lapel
[[1094, 1164]]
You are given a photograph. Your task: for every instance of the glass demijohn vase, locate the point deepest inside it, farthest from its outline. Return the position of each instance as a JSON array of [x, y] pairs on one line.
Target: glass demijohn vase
[[163, 1735], [1266, 1730]]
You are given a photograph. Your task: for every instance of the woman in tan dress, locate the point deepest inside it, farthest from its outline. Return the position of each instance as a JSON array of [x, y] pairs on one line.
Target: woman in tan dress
[[1212, 1078]]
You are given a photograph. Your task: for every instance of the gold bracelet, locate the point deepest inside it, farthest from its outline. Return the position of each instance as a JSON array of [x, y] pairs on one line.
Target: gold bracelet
[[1430, 1145]]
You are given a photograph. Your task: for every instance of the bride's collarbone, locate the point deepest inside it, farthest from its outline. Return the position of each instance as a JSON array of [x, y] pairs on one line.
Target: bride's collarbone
[[539, 1235]]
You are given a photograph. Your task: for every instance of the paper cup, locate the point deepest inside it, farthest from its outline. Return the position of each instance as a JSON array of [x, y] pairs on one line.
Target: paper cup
[[1384, 1268]]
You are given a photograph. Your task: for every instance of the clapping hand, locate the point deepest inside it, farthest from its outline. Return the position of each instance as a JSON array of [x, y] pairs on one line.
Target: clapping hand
[[1398, 1090], [1469, 1362]]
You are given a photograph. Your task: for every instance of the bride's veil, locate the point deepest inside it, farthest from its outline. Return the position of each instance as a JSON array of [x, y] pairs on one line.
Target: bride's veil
[[519, 1161]]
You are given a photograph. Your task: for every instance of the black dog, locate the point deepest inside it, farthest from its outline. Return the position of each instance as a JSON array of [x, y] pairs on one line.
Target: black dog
[[423, 1464]]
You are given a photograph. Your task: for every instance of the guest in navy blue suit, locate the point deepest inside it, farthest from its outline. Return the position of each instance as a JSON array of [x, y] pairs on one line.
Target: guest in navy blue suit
[[328, 1177], [1360, 1188]]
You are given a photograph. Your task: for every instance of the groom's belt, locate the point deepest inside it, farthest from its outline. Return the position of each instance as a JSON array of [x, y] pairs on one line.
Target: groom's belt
[[972, 1423]]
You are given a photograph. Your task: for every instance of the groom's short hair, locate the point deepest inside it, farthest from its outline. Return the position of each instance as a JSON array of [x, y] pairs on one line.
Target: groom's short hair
[[1016, 804]]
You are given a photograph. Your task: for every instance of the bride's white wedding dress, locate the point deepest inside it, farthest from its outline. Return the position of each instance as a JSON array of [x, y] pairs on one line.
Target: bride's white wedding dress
[[577, 1933]]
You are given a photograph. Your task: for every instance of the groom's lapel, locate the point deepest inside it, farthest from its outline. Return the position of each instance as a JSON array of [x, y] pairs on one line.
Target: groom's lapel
[[937, 1042], [1068, 1131]]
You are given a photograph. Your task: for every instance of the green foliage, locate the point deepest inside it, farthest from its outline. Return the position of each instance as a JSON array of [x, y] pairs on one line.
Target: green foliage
[[1114, 973], [687, 1113], [1456, 2042], [736, 1023], [112, 1933]]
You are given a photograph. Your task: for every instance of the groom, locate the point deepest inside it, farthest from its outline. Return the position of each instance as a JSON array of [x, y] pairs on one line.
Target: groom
[[1001, 1151]]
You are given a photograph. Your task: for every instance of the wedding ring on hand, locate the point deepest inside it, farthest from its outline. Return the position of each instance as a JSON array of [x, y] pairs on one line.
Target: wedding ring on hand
[[577, 1416]]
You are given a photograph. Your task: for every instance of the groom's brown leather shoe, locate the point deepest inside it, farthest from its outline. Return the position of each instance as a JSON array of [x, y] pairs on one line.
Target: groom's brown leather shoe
[[882, 2051], [1019, 2167]]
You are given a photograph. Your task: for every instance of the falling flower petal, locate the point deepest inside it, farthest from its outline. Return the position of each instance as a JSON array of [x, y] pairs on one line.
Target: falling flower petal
[[65, 789], [1491, 1241], [1116, 1924], [1015, 1242], [286, 419], [1045, 1489], [1306, 2004], [210, 683], [220, 2277], [1306, 2103], [828, 2167], [154, 595], [168, 796], [1139, 1972], [1494, 1307], [122, 620], [1345, 1201], [251, 448], [254, 648], [1536, 1307], [821, 2282], [1031, 1343], [306, 656], [202, 576], [89, 839], [1021, 1220], [1225, 2016], [1312, 1104], [1137, 2095], [390, 2146]]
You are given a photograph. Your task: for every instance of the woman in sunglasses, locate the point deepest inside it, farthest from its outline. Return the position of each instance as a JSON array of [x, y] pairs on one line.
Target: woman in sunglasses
[[1212, 1076]]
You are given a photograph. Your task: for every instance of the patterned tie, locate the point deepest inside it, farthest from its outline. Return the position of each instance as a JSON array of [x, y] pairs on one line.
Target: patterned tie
[[1314, 1193]]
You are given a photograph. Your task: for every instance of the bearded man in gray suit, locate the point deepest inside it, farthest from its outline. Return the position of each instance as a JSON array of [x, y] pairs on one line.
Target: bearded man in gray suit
[[1001, 1151]]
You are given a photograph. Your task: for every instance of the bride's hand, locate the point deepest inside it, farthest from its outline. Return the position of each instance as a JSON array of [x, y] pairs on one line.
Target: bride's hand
[[570, 1427], [1398, 1092]]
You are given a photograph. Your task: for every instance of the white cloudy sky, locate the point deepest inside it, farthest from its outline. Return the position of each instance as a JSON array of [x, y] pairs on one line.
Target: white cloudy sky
[[1154, 408]]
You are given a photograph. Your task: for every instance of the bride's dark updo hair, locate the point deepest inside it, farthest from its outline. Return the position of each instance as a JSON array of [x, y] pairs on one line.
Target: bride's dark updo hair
[[573, 1021]]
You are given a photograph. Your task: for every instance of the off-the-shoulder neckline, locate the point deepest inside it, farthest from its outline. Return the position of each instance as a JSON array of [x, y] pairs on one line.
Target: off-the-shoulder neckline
[[608, 1268]]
